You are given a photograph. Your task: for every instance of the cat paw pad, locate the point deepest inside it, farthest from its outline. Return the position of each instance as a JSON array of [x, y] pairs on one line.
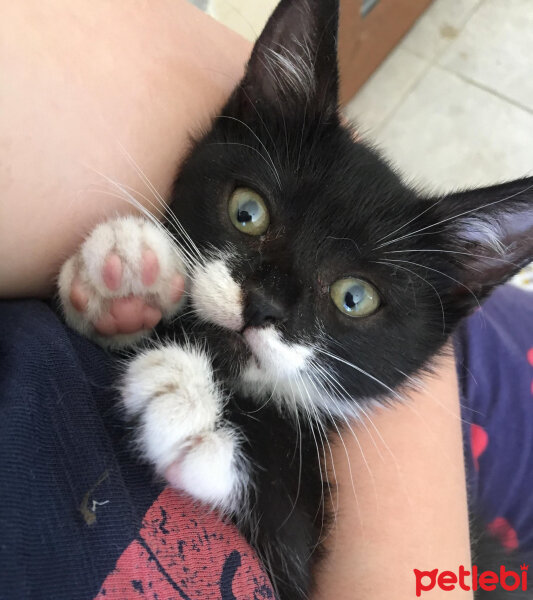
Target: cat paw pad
[[124, 279], [172, 394]]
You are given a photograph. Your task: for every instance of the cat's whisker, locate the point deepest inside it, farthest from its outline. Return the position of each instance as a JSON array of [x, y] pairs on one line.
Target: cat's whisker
[[183, 315], [325, 479], [274, 171], [333, 421], [338, 386], [124, 195], [419, 385], [341, 415], [154, 205], [361, 408], [258, 139], [299, 443], [301, 139], [266, 557], [360, 370], [163, 214], [315, 419], [470, 254], [410, 262], [295, 502], [323, 435], [319, 457], [314, 381], [454, 217], [270, 397], [252, 104], [398, 468], [431, 206], [397, 266], [171, 217]]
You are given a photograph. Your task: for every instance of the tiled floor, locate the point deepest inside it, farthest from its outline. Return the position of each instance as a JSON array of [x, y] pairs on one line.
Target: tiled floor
[[453, 105], [247, 17]]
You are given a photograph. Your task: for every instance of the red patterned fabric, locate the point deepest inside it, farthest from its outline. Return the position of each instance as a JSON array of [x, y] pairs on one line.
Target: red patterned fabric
[[185, 551]]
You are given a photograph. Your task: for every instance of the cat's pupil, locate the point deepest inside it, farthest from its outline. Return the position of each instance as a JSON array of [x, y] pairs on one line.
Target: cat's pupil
[[248, 212], [354, 296]]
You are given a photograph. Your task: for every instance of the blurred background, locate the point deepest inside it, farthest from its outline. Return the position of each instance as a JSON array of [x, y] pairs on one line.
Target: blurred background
[[443, 87]]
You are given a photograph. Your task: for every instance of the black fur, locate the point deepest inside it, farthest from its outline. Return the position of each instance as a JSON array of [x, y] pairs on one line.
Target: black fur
[[337, 209]]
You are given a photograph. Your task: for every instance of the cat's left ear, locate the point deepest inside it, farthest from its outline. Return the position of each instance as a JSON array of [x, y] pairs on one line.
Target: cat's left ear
[[490, 232], [294, 61]]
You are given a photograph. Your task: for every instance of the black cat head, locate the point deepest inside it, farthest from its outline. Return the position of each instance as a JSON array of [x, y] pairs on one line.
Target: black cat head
[[322, 267]]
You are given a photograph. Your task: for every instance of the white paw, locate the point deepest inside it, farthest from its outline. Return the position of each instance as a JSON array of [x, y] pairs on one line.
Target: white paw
[[172, 393], [123, 280]]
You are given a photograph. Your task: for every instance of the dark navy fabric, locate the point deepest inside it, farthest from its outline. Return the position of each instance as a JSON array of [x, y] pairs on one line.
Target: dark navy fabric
[[73, 495], [494, 350], [80, 517], [61, 448]]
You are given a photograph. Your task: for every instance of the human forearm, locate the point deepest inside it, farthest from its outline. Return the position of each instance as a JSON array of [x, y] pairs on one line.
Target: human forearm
[[408, 506], [80, 89]]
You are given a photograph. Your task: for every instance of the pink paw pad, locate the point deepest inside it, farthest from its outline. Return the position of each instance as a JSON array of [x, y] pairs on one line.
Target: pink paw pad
[[128, 315], [112, 272], [78, 297], [150, 268]]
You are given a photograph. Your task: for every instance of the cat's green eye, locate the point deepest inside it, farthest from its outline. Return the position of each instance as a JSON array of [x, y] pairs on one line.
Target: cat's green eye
[[355, 297], [248, 212]]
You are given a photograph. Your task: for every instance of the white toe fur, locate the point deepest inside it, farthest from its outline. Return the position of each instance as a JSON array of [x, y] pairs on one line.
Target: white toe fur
[[210, 471], [172, 391], [128, 237]]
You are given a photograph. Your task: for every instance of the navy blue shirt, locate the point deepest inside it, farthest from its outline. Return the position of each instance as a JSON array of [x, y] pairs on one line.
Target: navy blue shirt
[[494, 350]]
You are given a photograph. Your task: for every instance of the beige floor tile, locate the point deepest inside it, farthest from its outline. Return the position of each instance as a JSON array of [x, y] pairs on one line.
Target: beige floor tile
[[495, 49], [448, 133], [385, 89], [438, 26], [247, 17]]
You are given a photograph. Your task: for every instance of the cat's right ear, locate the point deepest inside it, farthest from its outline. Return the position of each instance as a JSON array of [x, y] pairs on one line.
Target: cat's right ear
[[293, 65], [490, 235]]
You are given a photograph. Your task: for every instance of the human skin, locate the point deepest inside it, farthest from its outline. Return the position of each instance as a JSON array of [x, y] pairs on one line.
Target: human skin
[[81, 88], [407, 507]]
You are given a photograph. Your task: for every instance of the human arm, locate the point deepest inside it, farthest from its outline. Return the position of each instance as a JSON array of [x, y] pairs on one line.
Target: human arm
[[409, 507], [81, 88]]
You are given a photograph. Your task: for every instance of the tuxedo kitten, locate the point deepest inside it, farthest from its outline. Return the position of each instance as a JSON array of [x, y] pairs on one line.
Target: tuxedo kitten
[[318, 283]]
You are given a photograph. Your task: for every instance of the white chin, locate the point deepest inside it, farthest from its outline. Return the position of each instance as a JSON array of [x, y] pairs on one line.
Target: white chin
[[273, 355]]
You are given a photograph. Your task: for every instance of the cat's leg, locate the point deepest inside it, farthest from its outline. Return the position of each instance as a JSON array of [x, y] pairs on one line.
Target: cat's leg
[[126, 277], [172, 394]]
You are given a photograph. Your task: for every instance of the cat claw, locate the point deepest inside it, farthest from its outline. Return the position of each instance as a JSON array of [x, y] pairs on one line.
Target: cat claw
[[124, 279]]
